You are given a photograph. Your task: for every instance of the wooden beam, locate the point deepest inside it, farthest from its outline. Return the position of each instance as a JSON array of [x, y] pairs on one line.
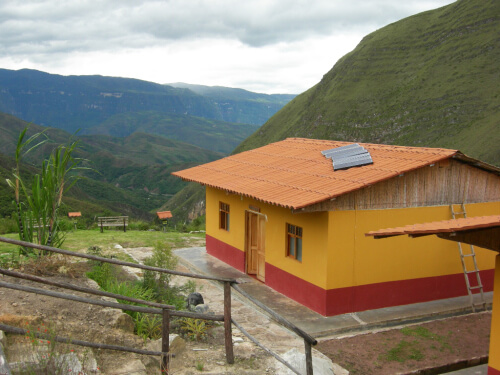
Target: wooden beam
[[165, 341], [488, 238], [228, 336]]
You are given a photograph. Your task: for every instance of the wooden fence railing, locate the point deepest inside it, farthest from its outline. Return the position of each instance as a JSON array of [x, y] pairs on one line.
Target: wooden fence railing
[[166, 311]]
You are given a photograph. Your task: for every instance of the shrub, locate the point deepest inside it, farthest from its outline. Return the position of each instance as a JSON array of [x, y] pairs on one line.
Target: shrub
[[194, 329], [102, 273], [7, 225], [148, 326], [164, 291], [140, 225]]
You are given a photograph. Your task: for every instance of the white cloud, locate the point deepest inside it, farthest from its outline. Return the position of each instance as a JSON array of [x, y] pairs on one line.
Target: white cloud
[[260, 45]]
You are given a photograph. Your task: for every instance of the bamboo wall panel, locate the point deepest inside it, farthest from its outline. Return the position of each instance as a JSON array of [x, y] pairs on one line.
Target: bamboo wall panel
[[450, 182]]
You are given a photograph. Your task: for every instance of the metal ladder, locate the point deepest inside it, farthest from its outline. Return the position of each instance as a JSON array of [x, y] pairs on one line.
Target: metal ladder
[[463, 256]]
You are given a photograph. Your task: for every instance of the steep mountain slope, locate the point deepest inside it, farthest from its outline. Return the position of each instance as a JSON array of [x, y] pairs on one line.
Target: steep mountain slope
[[214, 135], [238, 105], [432, 79]]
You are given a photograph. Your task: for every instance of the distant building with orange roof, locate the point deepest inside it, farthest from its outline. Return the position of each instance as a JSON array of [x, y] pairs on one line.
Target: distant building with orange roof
[[74, 214], [164, 215], [294, 214]]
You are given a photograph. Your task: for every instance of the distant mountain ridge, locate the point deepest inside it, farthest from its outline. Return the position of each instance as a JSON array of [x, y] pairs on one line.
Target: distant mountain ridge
[[430, 80], [83, 102], [238, 105]]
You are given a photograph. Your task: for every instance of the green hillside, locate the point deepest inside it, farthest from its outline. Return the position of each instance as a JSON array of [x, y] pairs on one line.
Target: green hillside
[[130, 176], [214, 135], [142, 162], [432, 79]]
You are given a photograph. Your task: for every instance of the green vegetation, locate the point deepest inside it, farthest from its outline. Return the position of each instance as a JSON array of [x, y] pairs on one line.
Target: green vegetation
[[37, 209], [200, 366], [160, 284], [406, 350], [194, 329], [428, 80], [153, 287], [130, 176], [209, 134], [424, 333]]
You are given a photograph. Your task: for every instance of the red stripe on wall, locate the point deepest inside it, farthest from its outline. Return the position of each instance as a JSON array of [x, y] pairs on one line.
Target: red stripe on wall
[[227, 253], [493, 371], [373, 296], [297, 289], [401, 292]]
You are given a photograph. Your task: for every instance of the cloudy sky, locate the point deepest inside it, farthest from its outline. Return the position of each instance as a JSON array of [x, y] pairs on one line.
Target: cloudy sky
[[269, 46]]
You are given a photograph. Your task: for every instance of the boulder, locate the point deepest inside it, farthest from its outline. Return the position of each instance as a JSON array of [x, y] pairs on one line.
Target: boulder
[[322, 365], [194, 299], [118, 319], [177, 345], [134, 366], [201, 309]]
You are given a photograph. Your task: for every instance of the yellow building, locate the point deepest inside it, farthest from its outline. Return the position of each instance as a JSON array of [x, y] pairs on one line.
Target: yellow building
[[288, 215]]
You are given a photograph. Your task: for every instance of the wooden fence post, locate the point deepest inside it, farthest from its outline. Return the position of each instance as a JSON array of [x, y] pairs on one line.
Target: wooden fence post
[[228, 336], [309, 362], [165, 343]]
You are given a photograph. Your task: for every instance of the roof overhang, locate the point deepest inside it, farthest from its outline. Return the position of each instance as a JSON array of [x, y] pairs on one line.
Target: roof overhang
[[476, 163], [482, 231]]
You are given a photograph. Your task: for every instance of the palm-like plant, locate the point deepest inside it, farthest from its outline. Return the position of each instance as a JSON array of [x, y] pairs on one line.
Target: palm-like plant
[[37, 215]]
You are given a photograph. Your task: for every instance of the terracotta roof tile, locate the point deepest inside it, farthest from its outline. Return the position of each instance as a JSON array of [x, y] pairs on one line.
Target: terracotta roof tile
[[454, 225], [162, 215], [293, 173]]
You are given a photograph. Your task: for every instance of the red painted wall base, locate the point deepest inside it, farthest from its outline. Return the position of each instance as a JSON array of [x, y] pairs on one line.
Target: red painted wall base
[[226, 253], [493, 371], [356, 298], [372, 296]]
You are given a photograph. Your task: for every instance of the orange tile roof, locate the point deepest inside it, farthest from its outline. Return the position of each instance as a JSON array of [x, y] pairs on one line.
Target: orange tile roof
[[445, 226], [74, 214], [162, 215], [293, 173]]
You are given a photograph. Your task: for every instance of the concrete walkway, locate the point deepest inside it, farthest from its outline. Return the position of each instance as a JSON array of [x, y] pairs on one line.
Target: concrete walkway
[[318, 326], [476, 370]]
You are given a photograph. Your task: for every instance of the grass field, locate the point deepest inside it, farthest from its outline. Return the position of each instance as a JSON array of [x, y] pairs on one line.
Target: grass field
[[81, 240]]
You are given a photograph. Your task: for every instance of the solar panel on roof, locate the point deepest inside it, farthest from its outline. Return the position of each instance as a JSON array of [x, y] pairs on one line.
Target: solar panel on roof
[[348, 156], [336, 150]]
